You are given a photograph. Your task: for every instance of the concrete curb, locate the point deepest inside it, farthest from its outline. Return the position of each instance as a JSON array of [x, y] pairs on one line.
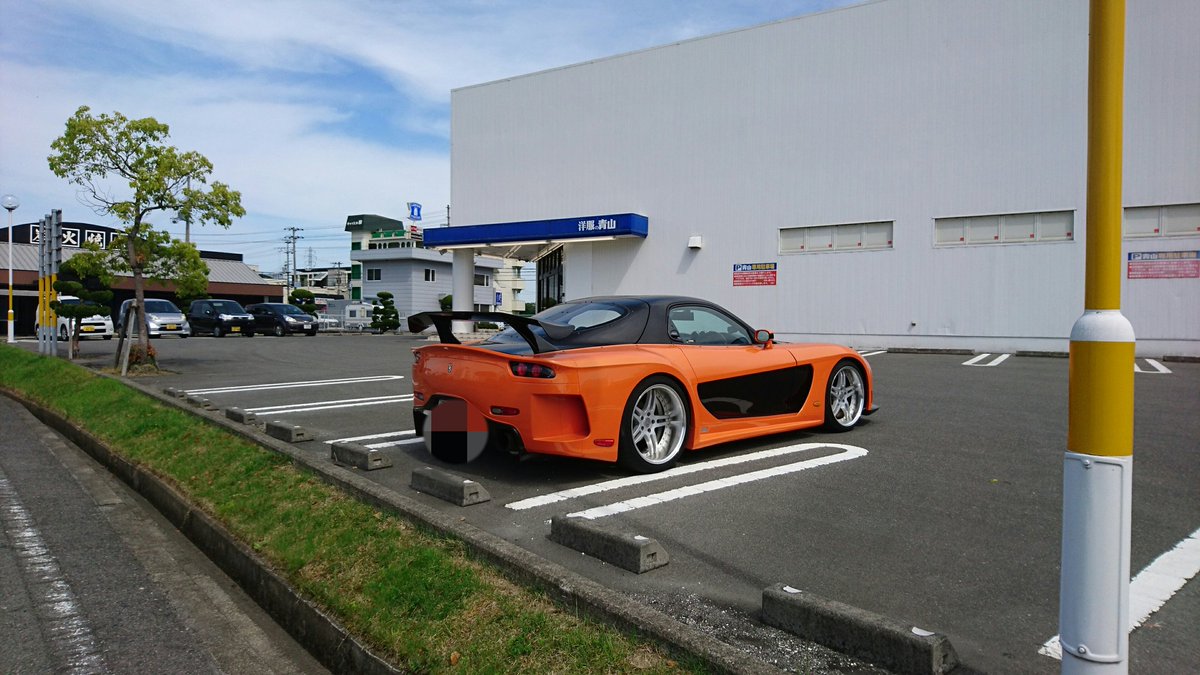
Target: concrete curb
[[631, 552], [239, 415], [521, 566], [317, 632], [447, 486], [850, 630]]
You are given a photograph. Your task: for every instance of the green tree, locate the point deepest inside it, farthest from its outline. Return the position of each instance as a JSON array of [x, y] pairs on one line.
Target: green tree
[[446, 302], [126, 170], [303, 298], [384, 316], [82, 277]]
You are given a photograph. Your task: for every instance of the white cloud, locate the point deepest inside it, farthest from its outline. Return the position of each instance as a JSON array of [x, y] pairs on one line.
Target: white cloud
[[313, 110]]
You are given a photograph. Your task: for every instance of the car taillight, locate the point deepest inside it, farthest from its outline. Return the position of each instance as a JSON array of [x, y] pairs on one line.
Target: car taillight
[[522, 369]]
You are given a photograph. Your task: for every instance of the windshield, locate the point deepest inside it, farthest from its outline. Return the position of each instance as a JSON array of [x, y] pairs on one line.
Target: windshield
[[292, 309], [228, 307], [161, 307]]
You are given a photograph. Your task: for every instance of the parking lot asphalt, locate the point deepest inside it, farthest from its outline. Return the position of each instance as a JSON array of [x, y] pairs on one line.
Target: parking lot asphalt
[[946, 513]]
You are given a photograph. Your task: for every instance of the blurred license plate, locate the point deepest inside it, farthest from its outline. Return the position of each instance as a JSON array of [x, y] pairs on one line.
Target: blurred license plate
[[307, 326], [235, 329], [88, 329], [171, 326]]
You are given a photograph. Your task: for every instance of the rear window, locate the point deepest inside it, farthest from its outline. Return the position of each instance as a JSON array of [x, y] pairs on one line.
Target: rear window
[[581, 316]]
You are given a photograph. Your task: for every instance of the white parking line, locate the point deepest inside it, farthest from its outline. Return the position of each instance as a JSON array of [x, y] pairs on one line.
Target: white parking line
[[850, 452], [292, 385], [392, 444], [1153, 586], [585, 490], [329, 405], [1158, 367], [994, 362], [66, 627], [368, 437], [875, 353]]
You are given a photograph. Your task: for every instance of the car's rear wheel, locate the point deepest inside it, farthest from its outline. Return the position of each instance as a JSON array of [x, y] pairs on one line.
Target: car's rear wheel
[[279, 331], [217, 332], [654, 426], [63, 334], [845, 397]]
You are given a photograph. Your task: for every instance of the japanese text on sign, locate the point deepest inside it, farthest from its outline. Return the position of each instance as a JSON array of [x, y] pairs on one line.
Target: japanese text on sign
[[598, 225], [754, 274], [1164, 265]]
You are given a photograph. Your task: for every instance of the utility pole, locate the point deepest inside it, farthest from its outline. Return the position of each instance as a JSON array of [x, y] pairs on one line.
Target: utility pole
[[447, 215], [290, 271], [337, 283]]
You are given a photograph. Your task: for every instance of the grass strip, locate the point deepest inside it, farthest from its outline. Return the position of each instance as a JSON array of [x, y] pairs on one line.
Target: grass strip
[[415, 598]]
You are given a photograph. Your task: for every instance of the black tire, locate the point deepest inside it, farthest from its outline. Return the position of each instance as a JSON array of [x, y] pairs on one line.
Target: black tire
[[63, 334], [191, 330], [107, 337], [248, 333], [279, 331], [652, 445], [217, 332], [845, 396]]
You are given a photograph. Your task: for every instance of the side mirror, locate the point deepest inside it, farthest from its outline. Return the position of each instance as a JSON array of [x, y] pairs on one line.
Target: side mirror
[[764, 337]]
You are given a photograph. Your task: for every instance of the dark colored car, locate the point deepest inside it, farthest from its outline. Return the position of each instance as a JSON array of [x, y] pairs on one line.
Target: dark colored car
[[219, 317], [281, 318]]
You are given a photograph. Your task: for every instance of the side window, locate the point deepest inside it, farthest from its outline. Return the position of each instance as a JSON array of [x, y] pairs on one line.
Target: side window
[[705, 326]]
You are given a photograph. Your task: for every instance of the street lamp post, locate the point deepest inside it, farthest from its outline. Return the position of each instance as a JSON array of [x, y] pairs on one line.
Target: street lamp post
[[10, 203]]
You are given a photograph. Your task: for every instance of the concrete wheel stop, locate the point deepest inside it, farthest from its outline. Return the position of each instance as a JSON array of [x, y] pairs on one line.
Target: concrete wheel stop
[[358, 456], [448, 486], [239, 415], [897, 646], [287, 432], [632, 552]]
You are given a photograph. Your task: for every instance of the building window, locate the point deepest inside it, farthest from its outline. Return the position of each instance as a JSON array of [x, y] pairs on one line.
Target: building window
[[374, 274], [847, 237], [356, 272], [1177, 220], [1009, 228], [356, 246], [483, 280], [430, 275]]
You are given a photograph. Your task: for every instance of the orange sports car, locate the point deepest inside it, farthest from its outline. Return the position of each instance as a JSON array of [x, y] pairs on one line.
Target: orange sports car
[[634, 379]]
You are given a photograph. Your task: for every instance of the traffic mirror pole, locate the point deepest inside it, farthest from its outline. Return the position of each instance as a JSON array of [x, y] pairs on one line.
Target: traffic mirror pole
[[1098, 464]]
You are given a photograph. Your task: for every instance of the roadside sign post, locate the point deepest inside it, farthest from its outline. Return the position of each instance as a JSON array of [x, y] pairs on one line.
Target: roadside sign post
[[1098, 464]]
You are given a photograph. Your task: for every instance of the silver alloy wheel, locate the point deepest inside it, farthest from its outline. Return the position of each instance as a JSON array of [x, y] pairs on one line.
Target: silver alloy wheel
[[658, 424], [846, 395]]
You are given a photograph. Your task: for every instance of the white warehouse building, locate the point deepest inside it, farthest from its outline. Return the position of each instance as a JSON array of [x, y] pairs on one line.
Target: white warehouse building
[[900, 173]]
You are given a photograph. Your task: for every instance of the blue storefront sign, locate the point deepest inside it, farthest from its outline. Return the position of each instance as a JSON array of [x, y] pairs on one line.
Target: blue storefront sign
[[536, 231]]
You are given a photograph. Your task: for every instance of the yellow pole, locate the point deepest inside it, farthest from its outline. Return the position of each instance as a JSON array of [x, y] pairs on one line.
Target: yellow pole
[[1098, 465]]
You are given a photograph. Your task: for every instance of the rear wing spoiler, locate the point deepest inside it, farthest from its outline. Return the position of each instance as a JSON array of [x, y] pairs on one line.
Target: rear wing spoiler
[[444, 322]]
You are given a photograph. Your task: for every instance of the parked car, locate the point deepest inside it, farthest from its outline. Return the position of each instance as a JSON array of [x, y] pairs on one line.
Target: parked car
[[162, 316], [99, 325], [219, 317], [632, 379], [281, 318]]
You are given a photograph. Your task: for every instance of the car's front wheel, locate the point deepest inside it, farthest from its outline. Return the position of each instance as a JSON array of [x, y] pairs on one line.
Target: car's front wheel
[[845, 397], [217, 332], [654, 426], [279, 331], [63, 335]]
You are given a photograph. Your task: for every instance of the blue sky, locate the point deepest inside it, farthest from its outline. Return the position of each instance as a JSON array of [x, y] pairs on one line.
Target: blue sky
[[313, 109]]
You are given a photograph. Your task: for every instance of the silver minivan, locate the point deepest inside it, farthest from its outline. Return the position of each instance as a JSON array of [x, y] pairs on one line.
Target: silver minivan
[[162, 316]]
